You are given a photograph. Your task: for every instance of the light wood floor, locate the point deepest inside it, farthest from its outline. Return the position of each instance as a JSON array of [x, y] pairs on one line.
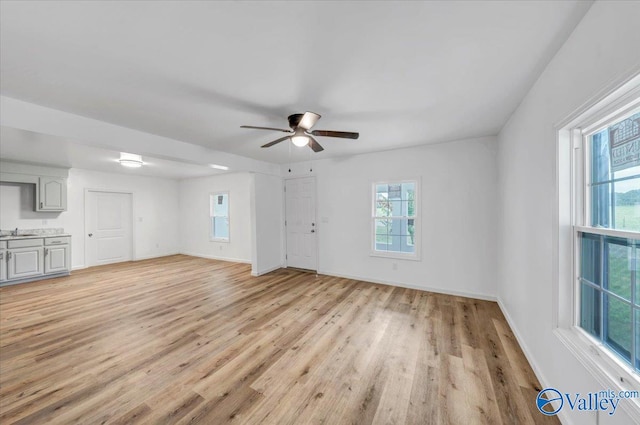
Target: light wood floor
[[189, 340]]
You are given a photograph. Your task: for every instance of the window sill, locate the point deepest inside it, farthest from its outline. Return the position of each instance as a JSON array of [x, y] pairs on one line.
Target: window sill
[[218, 240], [609, 371], [395, 255]]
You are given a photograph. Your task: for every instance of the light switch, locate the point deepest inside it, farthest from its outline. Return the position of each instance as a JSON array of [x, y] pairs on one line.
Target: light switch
[[324, 219]]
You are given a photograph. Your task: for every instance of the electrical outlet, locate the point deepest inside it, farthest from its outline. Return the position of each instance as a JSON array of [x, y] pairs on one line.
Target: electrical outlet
[[157, 245], [394, 266]]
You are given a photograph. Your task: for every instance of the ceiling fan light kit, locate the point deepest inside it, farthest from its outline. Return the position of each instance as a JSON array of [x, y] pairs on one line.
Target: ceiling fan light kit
[[300, 134], [300, 140]]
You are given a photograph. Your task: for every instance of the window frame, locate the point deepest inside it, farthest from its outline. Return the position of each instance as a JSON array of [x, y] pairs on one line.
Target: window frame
[[413, 256], [572, 214], [582, 223], [212, 215]]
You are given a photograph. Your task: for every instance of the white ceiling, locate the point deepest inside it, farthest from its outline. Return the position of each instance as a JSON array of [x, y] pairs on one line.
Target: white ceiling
[[400, 73], [37, 148]]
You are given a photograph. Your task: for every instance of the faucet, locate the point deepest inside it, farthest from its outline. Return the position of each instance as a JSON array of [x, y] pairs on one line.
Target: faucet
[[14, 232]]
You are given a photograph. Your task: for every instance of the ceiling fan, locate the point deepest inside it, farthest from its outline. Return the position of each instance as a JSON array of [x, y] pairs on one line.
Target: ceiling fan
[[300, 135]]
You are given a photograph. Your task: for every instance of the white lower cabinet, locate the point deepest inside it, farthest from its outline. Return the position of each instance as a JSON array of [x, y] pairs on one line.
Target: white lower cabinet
[[3, 265], [56, 259], [26, 259], [25, 262]]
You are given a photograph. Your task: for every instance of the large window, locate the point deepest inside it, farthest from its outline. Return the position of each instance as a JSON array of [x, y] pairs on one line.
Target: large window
[[395, 219], [219, 215], [608, 235]]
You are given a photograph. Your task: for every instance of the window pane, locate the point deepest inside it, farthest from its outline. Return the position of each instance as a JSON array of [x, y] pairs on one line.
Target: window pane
[[590, 257], [383, 209], [408, 187], [590, 310], [395, 206], [394, 243], [627, 204], [221, 227], [221, 205], [394, 235], [623, 138], [411, 229], [406, 246], [635, 266], [615, 175], [618, 267], [382, 190], [637, 338], [382, 228], [618, 326]]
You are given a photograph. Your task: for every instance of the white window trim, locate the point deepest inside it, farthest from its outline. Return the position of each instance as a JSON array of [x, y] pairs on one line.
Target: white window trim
[[611, 372], [211, 236], [415, 256]]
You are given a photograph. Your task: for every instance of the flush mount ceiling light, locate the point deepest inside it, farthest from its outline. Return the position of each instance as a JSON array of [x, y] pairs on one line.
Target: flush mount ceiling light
[[130, 160], [219, 167]]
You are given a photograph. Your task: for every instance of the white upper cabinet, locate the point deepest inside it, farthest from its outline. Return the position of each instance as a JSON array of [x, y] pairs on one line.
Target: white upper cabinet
[[52, 194], [50, 183]]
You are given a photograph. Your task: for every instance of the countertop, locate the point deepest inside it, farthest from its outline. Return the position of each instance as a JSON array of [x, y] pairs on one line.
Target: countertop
[[30, 236]]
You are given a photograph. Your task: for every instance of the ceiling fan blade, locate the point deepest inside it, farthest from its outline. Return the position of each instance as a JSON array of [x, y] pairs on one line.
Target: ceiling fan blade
[[266, 128], [308, 120], [341, 134], [313, 144], [268, 145]]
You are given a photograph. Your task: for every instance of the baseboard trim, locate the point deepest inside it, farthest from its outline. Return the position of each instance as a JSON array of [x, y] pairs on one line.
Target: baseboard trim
[[562, 415], [269, 270], [214, 257], [411, 286], [148, 257]]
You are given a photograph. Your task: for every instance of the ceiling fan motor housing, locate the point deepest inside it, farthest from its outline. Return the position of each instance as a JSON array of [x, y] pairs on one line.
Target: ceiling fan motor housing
[[294, 120]]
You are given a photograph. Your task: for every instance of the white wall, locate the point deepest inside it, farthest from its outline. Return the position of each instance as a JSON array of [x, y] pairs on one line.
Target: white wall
[[155, 211], [267, 219], [194, 220], [604, 47], [458, 215]]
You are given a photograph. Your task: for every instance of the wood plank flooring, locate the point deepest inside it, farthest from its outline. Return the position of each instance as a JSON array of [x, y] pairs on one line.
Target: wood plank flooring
[[184, 340]]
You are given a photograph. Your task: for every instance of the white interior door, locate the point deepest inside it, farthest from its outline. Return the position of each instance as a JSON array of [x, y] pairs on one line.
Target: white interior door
[[109, 227], [300, 223]]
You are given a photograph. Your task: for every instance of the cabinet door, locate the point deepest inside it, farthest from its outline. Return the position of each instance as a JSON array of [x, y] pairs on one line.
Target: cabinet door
[[56, 259], [25, 262], [52, 194], [3, 265]]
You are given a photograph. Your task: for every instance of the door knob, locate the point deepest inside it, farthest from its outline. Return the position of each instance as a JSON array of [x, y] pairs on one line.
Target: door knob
[[313, 231], [90, 234]]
